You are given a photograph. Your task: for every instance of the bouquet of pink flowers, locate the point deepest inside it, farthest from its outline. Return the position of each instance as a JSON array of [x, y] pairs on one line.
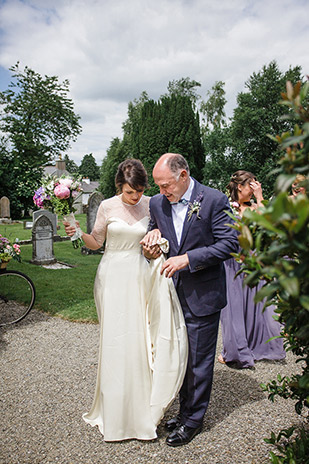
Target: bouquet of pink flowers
[[8, 250], [58, 195]]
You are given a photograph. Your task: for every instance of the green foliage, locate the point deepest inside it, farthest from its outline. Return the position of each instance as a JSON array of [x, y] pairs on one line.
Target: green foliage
[[293, 450], [213, 107], [275, 244], [89, 168], [169, 125], [218, 166], [258, 114], [115, 155], [38, 120], [184, 87], [152, 129], [71, 166]]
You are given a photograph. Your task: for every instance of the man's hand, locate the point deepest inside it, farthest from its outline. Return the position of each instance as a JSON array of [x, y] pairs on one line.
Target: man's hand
[[171, 265], [152, 252]]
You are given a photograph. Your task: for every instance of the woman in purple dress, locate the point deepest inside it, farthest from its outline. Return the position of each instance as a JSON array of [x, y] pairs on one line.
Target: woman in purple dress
[[245, 326]]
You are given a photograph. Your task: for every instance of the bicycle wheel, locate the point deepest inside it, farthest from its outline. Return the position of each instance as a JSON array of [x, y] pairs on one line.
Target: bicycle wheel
[[17, 295]]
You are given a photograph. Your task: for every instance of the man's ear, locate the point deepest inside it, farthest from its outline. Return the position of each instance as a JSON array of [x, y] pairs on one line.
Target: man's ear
[[184, 175]]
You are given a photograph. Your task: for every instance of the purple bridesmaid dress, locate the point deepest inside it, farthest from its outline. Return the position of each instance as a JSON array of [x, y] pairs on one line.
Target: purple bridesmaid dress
[[245, 327]]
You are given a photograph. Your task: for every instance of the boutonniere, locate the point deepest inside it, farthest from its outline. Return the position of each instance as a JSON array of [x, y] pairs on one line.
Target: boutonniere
[[194, 208]]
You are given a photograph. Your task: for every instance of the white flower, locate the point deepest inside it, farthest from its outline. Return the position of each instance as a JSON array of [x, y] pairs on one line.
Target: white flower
[[66, 181]]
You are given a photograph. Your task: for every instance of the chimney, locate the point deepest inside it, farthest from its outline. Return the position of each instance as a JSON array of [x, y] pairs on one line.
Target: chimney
[[60, 165]]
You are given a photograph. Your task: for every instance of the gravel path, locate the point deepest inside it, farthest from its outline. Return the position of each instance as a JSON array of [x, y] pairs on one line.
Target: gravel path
[[47, 381]]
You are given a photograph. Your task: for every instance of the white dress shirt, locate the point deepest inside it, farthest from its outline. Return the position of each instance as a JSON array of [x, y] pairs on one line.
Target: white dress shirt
[[179, 211]]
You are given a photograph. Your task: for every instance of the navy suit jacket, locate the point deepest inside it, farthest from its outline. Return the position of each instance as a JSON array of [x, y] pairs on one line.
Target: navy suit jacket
[[207, 240]]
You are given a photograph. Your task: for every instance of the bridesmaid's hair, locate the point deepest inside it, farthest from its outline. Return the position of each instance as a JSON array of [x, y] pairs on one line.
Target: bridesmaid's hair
[[177, 163], [132, 172], [239, 177]]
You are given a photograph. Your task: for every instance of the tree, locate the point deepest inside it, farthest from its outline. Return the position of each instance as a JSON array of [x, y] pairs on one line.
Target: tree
[[216, 138], [275, 248], [213, 107], [70, 165], [183, 87], [168, 125], [38, 115], [116, 153], [38, 119], [89, 168], [258, 114]]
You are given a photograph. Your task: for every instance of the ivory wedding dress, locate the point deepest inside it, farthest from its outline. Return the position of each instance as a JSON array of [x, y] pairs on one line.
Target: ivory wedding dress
[[143, 341]]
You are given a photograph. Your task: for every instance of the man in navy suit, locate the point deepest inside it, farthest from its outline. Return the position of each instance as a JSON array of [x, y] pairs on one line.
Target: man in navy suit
[[193, 218]]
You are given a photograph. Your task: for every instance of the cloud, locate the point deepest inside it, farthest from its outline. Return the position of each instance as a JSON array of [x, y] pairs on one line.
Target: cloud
[[113, 50]]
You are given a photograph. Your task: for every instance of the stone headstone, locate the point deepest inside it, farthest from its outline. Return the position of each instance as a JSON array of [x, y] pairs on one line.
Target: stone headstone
[[42, 241], [28, 225], [51, 216], [93, 205], [5, 207]]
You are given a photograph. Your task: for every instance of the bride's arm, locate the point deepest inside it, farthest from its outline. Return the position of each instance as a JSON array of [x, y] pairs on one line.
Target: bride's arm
[[88, 239]]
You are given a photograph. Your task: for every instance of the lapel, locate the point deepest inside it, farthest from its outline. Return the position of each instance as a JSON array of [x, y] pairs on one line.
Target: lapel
[[187, 224], [167, 212]]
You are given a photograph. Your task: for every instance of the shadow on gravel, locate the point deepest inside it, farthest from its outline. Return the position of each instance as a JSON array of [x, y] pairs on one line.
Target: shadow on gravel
[[231, 390], [32, 318]]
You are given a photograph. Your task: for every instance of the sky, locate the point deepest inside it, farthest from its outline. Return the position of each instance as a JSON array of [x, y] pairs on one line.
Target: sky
[[113, 50]]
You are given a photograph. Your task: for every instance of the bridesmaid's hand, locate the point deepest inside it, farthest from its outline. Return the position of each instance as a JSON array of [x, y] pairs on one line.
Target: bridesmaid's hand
[[257, 191]]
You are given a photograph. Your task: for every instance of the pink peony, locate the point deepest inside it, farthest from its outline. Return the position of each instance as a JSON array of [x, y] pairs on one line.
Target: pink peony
[[62, 192], [66, 182]]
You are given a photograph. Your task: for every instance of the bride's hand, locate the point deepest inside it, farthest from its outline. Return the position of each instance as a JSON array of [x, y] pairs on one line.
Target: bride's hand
[[70, 230], [151, 238]]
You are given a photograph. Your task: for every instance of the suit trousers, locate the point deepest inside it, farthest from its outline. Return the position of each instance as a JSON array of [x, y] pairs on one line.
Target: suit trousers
[[202, 336]]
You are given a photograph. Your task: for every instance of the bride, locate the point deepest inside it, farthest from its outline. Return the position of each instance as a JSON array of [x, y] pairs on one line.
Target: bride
[[143, 343]]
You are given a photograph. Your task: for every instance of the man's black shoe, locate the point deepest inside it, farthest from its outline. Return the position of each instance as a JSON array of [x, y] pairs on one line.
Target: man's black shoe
[[182, 435], [171, 424]]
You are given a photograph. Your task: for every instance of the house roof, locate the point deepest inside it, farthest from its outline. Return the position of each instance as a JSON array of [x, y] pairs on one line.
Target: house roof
[[53, 171], [89, 187]]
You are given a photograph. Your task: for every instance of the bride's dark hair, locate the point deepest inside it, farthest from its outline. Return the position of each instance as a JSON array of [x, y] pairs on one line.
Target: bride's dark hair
[[239, 177], [132, 172]]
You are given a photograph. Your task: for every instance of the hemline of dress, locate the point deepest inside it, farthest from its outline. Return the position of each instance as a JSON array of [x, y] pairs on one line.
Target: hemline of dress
[[94, 424]]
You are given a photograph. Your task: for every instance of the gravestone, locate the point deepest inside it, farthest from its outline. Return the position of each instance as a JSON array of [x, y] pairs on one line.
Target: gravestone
[[93, 205], [5, 208], [51, 216], [42, 241]]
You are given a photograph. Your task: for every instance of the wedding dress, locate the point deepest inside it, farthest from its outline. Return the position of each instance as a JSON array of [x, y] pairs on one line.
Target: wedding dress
[[143, 342]]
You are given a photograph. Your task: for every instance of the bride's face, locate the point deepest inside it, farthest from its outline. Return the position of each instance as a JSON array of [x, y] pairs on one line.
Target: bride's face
[[131, 196]]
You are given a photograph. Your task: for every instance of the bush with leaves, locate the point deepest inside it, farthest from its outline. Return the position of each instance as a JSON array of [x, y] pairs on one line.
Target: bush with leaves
[[275, 248]]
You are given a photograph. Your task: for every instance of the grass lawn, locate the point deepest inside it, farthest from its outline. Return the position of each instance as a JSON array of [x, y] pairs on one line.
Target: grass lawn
[[63, 292]]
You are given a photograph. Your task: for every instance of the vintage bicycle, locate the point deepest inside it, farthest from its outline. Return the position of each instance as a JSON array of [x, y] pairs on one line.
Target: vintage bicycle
[[17, 296]]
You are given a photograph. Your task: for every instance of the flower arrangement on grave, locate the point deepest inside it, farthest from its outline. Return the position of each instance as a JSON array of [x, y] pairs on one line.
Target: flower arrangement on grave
[[58, 194], [8, 250]]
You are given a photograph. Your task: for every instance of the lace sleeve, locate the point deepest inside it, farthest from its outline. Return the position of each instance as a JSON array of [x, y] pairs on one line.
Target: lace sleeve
[[100, 225]]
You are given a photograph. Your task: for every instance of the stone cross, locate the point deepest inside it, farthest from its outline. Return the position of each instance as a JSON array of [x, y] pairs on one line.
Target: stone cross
[[5, 208], [42, 241]]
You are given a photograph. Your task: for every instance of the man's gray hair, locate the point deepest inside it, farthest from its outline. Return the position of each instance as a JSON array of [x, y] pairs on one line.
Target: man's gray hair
[[177, 163]]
